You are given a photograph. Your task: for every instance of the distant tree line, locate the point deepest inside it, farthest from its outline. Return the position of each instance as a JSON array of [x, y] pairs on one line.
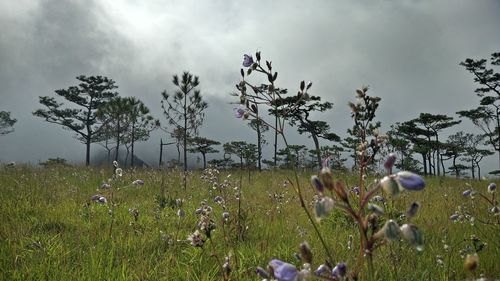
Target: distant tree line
[[96, 113]]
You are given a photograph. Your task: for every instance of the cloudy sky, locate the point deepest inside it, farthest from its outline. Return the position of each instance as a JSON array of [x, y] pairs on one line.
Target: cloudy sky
[[408, 52]]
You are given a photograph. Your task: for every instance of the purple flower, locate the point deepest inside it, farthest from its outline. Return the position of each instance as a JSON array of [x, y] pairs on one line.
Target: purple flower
[[225, 216], [239, 112], [247, 60], [317, 184], [355, 190], [283, 271], [102, 200], [378, 198], [138, 182], [95, 198], [389, 162], [412, 211], [322, 269], [454, 217], [467, 193], [339, 270], [410, 181], [492, 187]]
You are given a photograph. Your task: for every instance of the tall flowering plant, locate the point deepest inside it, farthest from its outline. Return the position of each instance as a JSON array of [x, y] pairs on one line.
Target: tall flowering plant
[[375, 229]]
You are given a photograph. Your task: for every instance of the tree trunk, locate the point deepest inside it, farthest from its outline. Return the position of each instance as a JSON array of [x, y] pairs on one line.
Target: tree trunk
[[276, 140], [424, 161], [133, 139], [117, 141], [472, 169], [185, 132], [204, 161], [87, 155], [438, 155], [318, 153], [455, 166], [259, 146]]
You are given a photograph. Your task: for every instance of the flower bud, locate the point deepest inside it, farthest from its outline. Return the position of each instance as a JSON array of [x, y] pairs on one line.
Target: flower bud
[[390, 230], [467, 193], [340, 190], [305, 252], [390, 185], [454, 217], [413, 235], [471, 262], [317, 184], [412, 211], [410, 181], [323, 207], [340, 270], [322, 269], [492, 187], [326, 177], [389, 162], [376, 209]]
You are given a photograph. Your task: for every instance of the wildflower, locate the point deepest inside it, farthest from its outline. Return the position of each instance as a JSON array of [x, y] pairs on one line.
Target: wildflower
[[283, 271], [413, 235], [355, 190], [198, 211], [317, 184], [196, 239], [389, 162], [378, 198], [105, 186], [495, 211], [119, 172], [178, 202], [410, 181], [225, 216], [115, 164], [412, 211], [340, 270], [492, 187], [138, 182], [471, 262], [247, 60], [102, 200], [322, 269], [227, 266], [218, 200], [239, 112], [95, 198], [467, 193], [390, 185], [181, 213]]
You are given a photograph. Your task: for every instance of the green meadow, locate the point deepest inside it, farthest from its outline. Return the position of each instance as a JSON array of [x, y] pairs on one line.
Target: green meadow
[[51, 229]]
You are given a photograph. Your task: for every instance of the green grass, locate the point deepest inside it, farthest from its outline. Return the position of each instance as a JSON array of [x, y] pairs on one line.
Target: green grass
[[50, 230]]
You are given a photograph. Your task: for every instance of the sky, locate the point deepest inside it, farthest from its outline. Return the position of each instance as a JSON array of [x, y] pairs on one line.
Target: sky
[[408, 52]]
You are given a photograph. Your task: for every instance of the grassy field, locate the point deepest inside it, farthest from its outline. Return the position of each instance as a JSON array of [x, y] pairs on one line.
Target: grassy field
[[51, 229]]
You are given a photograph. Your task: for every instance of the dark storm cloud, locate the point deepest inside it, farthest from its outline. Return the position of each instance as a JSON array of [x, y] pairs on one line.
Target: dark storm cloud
[[407, 51]]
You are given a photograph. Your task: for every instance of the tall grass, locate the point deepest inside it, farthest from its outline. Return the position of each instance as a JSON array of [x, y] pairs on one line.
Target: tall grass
[[51, 230]]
